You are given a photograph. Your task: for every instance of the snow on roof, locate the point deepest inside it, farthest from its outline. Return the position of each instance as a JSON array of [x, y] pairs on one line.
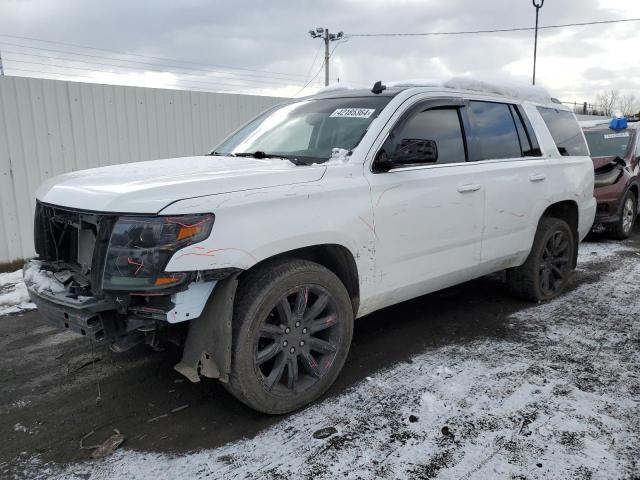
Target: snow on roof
[[504, 87], [336, 87], [416, 82]]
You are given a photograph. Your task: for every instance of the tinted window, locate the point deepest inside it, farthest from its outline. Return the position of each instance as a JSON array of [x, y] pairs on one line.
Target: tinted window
[[565, 131], [608, 143], [494, 131], [441, 125]]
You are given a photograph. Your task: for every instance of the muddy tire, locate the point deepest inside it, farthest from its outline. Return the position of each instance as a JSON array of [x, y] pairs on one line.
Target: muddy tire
[[292, 329], [547, 270], [621, 230]]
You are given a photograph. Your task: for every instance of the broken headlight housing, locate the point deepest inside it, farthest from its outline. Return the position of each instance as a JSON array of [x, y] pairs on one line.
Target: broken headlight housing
[[140, 248]]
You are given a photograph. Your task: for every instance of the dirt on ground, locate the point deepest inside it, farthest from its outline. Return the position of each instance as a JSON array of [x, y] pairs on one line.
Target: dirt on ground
[[57, 388]]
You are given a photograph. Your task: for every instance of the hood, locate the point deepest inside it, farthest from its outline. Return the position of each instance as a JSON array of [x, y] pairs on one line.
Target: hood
[[148, 187]]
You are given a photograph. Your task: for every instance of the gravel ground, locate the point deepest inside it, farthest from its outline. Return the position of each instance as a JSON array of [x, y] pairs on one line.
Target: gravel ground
[[463, 383]]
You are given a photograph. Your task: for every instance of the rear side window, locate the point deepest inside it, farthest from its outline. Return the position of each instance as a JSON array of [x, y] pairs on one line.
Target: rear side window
[[494, 131], [565, 131], [441, 125]]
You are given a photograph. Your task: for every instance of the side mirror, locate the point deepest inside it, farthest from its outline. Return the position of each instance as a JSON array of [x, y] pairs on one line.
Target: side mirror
[[413, 150]]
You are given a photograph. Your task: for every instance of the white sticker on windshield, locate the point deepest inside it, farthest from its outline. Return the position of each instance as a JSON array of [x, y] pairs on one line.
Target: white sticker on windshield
[[353, 112], [616, 135]]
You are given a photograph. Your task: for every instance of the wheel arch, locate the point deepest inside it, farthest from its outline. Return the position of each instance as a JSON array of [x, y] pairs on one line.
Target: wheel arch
[[335, 257], [568, 211]]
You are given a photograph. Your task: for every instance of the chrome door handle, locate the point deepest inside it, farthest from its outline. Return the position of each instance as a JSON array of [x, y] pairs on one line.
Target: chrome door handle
[[468, 187], [537, 177]]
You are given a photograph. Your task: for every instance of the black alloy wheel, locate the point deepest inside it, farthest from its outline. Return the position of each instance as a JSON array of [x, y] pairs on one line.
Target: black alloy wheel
[[292, 329], [298, 341], [555, 262]]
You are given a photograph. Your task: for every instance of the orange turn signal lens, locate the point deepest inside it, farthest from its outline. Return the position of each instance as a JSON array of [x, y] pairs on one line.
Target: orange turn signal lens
[[160, 281], [188, 231]]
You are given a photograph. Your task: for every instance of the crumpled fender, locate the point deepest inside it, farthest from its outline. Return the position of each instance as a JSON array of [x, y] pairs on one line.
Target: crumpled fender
[[207, 351]]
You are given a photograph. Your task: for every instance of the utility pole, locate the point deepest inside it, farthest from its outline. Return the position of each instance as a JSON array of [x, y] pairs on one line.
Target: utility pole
[[327, 37], [1, 67], [538, 6]]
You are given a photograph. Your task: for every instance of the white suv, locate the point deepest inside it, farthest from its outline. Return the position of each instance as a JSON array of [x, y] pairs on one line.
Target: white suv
[[258, 256]]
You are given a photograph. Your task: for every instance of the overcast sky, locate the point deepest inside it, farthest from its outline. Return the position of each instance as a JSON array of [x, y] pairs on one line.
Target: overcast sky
[[242, 40]]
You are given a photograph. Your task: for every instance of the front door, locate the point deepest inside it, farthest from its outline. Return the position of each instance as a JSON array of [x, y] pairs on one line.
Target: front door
[[428, 217]]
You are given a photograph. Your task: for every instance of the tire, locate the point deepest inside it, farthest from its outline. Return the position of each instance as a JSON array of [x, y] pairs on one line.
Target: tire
[[284, 358], [621, 230], [546, 272]]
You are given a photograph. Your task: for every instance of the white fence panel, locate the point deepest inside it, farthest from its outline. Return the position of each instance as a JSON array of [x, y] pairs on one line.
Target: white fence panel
[[48, 127]]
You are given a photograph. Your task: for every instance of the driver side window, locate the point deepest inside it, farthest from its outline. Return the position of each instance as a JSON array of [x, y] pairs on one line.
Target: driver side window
[[439, 125]]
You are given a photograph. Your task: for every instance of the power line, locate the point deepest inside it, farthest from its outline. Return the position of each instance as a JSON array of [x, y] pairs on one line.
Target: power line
[[145, 69], [86, 69], [497, 30], [96, 80], [320, 69], [148, 56], [312, 79], [217, 72]]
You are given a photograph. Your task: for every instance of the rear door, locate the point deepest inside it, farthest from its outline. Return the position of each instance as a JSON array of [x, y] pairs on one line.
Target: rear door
[[513, 175]]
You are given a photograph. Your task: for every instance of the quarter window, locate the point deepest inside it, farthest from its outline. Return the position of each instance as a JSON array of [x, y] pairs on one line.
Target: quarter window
[[565, 131], [441, 125], [494, 131]]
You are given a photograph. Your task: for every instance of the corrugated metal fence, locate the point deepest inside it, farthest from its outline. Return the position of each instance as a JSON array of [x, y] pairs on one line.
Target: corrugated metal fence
[[48, 127]]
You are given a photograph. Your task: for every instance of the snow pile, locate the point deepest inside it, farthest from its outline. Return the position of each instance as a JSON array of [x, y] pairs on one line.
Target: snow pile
[[593, 123], [13, 294], [336, 87], [414, 82], [41, 279], [503, 87], [339, 156]]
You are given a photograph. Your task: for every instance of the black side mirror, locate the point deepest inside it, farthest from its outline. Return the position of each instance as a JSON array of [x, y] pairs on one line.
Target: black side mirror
[[414, 150]]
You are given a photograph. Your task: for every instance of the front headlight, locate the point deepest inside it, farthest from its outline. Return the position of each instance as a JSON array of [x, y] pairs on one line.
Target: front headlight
[[140, 248]]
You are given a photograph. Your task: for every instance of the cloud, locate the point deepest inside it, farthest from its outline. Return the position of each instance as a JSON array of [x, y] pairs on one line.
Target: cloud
[[235, 43]]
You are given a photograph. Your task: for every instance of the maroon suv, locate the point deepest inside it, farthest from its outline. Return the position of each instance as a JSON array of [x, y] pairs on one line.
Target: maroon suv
[[615, 150]]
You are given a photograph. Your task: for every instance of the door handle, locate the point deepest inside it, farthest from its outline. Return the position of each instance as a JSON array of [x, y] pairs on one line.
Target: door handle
[[537, 177], [468, 187]]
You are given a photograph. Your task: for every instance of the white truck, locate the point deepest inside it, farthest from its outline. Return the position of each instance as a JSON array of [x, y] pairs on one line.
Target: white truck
[[258, 257]]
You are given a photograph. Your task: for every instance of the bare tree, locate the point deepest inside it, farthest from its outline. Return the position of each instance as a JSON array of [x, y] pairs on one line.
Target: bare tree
[[608, 102], [628, 104]]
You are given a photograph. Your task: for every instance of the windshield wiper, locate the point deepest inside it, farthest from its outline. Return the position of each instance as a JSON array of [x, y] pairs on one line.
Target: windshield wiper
[[220, 154], [258, 154]]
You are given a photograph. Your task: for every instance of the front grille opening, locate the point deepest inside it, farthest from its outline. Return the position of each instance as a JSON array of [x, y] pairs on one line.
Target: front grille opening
[[73, 243]]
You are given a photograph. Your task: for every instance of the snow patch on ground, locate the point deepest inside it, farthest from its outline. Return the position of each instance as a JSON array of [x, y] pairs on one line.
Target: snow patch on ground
[[42, 280], [558, 399], [13, 294]]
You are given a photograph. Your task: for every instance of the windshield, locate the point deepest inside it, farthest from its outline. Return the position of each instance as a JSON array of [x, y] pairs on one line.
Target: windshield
[[307, 131], [608, 143]]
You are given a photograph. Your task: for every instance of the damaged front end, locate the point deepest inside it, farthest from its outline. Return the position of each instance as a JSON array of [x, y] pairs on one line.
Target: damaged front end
[[103, 276]]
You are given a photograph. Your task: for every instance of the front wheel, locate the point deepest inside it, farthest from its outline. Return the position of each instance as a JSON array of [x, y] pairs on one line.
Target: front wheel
[[621, 230], [546, 272], [293, 323]]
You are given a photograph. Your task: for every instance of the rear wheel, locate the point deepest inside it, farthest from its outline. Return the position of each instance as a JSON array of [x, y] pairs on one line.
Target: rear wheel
[[546, 272], [624, 226], [293, 323]]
